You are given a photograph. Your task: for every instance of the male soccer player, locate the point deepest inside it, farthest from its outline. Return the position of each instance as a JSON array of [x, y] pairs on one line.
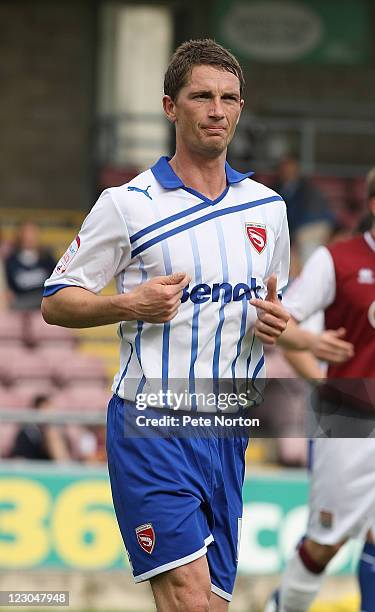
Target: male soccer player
[[340, 279], [194, 246]]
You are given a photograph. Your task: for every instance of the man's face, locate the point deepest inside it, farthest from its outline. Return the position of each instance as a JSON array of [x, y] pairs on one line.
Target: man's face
[[206, 111], [29, 236], [372, 211], [289, 170]]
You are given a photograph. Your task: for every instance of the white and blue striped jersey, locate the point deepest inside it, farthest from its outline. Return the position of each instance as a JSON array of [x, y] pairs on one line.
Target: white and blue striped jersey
[[155, 225]]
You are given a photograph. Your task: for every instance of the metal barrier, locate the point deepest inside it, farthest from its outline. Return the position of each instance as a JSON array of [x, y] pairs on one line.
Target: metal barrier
[[259, 141], [52, 417]]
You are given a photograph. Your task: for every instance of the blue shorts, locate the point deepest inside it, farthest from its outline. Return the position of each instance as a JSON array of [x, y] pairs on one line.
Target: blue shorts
[[177, 499]]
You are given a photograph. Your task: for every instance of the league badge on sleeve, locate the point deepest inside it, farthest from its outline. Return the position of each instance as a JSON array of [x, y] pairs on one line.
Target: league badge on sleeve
[[257, 234], [146, 537], [326, 519], [68, 256]]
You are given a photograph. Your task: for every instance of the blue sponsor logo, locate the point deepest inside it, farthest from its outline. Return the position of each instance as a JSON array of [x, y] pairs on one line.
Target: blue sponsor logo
[[221, 292]]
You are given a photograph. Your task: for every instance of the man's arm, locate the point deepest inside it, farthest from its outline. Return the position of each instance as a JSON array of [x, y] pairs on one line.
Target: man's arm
[[155, 301], [327, 346], [55, 443], [313, 291], [304, 364]]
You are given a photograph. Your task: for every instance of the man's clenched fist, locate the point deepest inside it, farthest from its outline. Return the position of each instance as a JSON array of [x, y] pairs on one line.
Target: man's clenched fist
[[157, 300], [272, 316]]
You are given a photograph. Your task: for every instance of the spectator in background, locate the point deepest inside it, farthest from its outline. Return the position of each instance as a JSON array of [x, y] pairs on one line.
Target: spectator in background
[[97, 452], [4, 297], [342, 494], [40, 441], [27, 267], [308, 210], [3, 288], [87, 443]]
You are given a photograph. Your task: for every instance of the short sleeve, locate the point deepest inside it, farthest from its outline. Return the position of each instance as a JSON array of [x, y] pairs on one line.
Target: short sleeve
[[99, 252], [281, 256], [314, 289]]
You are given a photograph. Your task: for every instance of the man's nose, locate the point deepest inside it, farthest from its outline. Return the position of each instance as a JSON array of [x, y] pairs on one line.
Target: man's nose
[[216, 108]]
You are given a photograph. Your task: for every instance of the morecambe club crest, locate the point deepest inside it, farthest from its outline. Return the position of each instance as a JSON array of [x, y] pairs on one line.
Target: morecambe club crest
[[146, 537], [257, 234]]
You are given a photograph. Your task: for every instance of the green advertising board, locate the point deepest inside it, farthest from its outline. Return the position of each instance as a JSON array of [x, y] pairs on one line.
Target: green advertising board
[[63, 518], [311, 31]]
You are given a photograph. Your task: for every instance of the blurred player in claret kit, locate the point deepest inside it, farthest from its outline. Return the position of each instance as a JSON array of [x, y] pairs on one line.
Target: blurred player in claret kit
[[194, 246], [339, 279]]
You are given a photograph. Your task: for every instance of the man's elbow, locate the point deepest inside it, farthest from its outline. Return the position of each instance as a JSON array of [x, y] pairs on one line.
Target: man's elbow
[[49, 312]]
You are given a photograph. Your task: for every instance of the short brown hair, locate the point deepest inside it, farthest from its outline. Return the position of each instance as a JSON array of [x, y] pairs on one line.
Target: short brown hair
[[194, 53], [371, 184]]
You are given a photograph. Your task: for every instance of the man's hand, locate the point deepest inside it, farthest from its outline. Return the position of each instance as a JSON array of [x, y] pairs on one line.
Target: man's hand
[[328, 346], [157, 300], [272, 316]]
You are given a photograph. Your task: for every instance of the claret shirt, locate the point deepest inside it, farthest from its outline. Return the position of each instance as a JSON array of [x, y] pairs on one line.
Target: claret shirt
[[340, 279]]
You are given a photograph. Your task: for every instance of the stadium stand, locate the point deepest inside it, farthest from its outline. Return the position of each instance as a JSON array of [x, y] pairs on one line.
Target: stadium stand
[[11, 327], [341, 192], [39, 332], [39, 359]]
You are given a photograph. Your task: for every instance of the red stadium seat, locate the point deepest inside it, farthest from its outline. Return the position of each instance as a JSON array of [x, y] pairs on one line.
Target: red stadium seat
[[96, 385], [11, 326], [334, 188], [29, 389], [52, 352], [79, 367], [41, 333], [8, 353], [11, 344], [55, 356], [83, 399], [266, 178], [61, 401], [26, 365], [114, 177], [90, 399], [11, 399], [359, 192]]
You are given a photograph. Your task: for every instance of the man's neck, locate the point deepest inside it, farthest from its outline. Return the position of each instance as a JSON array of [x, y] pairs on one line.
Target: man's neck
[[201, 174]]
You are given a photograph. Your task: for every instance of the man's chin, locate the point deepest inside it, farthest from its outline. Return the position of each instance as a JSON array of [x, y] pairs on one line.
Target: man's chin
[[214, 148]]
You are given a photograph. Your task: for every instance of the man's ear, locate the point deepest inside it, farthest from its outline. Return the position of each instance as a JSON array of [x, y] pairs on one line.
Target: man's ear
[[242, 102], [169, 108]]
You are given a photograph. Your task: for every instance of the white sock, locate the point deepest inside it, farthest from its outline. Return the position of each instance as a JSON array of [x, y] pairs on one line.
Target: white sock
[[299, 586]]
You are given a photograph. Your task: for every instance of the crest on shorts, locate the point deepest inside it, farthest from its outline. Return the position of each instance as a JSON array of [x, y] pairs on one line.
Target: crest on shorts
[[146, 537], [257, 234], [326, 519]]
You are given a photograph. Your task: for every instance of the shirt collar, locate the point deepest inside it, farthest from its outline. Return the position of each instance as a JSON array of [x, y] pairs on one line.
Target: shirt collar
[[165, 175], [370, 240]]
